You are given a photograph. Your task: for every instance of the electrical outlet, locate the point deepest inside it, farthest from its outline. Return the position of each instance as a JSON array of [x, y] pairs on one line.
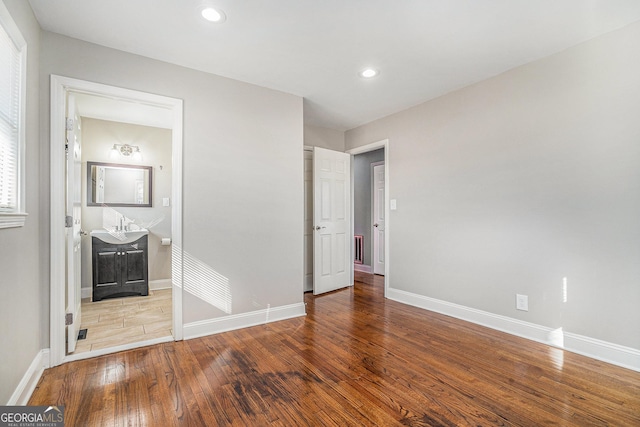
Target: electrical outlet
[[522, 302]]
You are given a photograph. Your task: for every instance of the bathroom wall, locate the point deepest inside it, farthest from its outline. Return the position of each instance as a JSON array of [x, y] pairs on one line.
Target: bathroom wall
[[98, 137]]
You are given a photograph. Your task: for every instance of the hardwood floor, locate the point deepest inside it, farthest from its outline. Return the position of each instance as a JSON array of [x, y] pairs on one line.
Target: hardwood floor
[[117, 321], [355, 359]]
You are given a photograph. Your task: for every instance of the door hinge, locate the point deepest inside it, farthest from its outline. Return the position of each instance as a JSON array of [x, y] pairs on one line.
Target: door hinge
[[69, 124], [68, 319], [68, 221]]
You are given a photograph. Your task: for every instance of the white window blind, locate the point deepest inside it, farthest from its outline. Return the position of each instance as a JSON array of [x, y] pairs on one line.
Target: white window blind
[[12, 76]]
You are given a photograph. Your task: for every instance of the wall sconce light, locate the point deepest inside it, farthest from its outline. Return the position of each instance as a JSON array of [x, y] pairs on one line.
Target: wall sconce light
[[125, 150]]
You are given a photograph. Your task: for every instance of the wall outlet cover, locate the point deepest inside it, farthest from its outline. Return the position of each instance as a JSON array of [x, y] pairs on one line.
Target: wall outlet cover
[[522, 302]]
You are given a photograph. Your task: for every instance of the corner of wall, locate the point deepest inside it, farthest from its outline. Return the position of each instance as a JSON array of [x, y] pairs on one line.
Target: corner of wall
[[596, 349], [30, 379]]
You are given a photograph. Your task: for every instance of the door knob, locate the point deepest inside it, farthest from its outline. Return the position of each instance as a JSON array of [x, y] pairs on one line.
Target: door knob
[[317, 227], [375, 225]]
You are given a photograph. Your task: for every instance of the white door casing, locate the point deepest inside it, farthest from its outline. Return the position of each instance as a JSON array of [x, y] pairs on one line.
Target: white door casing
[[73, 212], [378, 231], [365, 149], [332, 235], [60, 88]]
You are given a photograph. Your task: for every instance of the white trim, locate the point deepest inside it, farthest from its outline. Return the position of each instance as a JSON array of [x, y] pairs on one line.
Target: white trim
[[362, 268], [30, 379], [156, 285], [615, 354], [243, 320], [59, 87], [365, 149], [17, 217], [9, 220]]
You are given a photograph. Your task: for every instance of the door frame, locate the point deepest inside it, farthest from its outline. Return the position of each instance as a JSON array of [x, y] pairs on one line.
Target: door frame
[[60, 86], [365, 149]]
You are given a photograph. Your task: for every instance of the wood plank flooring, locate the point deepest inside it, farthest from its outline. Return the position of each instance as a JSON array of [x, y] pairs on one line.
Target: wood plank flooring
[[356, 359], [116, 321]]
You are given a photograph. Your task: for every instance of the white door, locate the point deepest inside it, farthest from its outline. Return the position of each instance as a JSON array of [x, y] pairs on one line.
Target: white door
[[308, 221], [73, 232], [331, 220], [378, 219]]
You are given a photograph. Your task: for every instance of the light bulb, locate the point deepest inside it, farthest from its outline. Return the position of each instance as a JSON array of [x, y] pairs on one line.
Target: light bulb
[[213, 15], [368, 73]]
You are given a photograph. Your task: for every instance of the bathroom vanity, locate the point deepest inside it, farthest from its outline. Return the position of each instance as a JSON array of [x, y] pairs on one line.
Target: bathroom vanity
[[120, 263]]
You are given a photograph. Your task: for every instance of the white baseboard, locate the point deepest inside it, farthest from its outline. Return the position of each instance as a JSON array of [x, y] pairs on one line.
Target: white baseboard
[[30, 379], [160, 284], [615, 354], [362, 268], [243, 320], [154, 285]]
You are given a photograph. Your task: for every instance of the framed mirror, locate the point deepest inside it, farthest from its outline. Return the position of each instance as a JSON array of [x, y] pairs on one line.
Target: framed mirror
[[119, 185]]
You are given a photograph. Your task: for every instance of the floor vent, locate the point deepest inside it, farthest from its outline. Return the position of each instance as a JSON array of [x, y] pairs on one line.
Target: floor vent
[[358, 241], [82, 334]]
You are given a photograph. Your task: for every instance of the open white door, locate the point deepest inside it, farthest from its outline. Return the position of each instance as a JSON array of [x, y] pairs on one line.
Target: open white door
[[378, 219], [308, 221], [331, 220], [73, 223]]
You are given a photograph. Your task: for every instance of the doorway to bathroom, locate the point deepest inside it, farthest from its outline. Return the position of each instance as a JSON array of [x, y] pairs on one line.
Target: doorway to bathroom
[[117, 278]]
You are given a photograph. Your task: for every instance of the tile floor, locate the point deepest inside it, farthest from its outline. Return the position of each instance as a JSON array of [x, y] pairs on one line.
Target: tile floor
[[118, 321]]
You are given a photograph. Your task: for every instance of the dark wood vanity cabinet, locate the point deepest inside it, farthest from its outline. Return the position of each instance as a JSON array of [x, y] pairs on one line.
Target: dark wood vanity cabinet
[[120, 269]]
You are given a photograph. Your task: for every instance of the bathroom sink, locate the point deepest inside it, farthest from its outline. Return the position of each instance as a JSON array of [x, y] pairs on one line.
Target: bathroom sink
[[118, 237]]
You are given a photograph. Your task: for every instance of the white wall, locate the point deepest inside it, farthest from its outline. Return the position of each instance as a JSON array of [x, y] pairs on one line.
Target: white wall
[[21, 265], [512, 184], [98, 137], [242, 188]]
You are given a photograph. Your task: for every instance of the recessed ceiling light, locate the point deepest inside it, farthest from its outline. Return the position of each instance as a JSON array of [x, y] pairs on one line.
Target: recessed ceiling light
[[368, 73], [213, 15]]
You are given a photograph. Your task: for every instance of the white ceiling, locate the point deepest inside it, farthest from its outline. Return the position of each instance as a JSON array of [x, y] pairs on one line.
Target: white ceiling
[[315, 48]]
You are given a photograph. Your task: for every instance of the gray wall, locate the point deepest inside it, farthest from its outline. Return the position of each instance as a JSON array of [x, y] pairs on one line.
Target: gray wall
[[21, 263], [98, 136], [242, 181], [316, 136], [512, 184], [362, 198]]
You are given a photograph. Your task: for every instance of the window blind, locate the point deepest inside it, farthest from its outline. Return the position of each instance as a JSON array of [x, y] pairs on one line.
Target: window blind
[[10, 80]]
